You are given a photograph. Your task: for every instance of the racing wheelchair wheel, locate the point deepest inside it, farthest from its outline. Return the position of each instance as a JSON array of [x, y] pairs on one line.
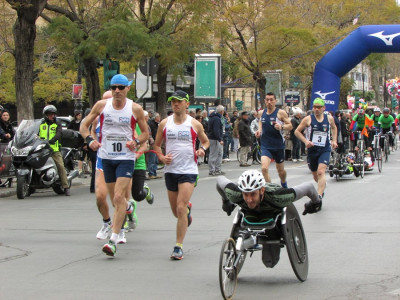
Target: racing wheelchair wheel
[[227, 270], [295, 240]]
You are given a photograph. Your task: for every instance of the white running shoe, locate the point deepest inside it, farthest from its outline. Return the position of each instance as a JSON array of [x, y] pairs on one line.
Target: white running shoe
[[121, 237], [294, 160], [300, 159], [104, 232]]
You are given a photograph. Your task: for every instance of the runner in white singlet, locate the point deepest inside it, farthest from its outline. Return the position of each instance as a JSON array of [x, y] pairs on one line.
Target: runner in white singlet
[[117, 146], [180, 141], [179, 131]]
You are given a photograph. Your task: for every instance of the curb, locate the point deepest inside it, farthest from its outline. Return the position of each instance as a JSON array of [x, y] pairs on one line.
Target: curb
[[13, 190]]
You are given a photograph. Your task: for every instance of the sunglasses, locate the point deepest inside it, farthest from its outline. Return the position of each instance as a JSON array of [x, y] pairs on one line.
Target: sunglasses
[[120, 87]]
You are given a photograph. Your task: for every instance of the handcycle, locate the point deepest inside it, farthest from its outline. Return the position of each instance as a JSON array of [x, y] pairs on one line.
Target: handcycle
[[285, 229], [338, 166], [254, 152]]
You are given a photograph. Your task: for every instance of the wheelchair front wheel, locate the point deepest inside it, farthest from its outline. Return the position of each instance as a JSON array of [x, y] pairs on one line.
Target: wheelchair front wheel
[[295, 241], [227, 270]]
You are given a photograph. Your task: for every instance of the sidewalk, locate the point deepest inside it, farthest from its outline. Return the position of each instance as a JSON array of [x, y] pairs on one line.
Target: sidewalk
[[11, 191]]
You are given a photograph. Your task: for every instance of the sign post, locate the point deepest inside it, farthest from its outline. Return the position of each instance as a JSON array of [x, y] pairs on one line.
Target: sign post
[[207, 77]]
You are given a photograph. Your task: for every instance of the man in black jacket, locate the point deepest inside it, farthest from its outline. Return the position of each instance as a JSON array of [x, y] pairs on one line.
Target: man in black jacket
[[244, 139], [215, 136]]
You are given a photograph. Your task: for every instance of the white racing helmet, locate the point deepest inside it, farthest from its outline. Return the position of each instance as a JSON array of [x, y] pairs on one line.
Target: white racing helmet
[[250, 181], [377, 109]]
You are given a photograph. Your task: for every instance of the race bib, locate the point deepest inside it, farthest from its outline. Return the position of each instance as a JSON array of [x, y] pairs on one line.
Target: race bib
[[116, 145], [319, 138]]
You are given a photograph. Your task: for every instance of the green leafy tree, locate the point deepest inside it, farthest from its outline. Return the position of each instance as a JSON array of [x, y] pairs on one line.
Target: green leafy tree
[[85, 31], [24, 32]]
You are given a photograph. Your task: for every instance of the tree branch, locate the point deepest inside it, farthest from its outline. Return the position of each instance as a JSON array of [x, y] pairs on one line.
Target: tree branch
[[161, 22], [63, 11]]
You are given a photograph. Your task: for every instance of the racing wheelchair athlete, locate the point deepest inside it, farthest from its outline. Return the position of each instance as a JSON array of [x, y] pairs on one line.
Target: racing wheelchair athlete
[[266, 221]]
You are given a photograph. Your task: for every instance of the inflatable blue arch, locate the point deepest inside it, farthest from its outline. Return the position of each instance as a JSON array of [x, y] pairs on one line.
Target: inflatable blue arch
[[347, 54]]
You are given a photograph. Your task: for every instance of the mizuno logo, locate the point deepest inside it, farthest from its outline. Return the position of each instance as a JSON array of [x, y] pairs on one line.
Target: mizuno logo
[[387, 39], [323, 95]]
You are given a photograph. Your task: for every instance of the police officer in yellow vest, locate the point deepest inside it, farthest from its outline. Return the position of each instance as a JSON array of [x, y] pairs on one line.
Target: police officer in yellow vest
[[51, 130]]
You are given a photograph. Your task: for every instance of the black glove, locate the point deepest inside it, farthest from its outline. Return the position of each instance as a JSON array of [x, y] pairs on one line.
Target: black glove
[[228, 207], [311, 207], [52, 141]]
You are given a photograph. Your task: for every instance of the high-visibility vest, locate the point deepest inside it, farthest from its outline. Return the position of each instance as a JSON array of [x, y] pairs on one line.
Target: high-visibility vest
[[47, 132]]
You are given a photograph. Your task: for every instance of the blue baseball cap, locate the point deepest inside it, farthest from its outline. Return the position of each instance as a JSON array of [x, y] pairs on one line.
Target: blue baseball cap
[[120, 79]]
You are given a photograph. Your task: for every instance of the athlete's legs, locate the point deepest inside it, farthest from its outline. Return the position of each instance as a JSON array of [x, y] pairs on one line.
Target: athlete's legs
[[101, 195], [265, 162], [281, 171], [119, 192], [179, 201], [321, 178]]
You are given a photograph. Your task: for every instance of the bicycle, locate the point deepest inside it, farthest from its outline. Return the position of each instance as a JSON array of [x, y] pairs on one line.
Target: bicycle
[[378, 151], [386, 150], [254, 152], [360, 154], [249, 237]]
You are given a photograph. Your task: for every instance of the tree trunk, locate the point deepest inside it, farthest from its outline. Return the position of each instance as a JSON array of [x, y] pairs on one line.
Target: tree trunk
[[162, 90], [24, 37], [92, 80]]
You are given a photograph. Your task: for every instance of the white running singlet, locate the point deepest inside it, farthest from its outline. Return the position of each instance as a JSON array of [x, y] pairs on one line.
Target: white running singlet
[[116, 128], [180, 142]]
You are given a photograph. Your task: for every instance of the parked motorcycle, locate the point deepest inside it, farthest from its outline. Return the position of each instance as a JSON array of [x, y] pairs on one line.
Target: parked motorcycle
[[32, 159]]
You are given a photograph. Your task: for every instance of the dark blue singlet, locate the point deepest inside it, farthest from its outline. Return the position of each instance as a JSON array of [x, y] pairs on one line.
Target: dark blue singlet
[[320, 131], [271, 138]]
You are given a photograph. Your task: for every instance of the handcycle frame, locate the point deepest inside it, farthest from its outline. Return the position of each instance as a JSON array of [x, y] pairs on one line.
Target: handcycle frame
[[249, 235]]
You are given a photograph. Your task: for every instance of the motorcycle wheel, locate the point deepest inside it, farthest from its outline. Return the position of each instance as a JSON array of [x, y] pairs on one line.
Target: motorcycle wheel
[[22, 187], [57, 188]]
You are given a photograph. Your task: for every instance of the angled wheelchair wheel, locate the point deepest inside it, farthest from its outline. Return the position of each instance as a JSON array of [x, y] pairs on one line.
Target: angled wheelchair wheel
[[295, 240], [227, 270]]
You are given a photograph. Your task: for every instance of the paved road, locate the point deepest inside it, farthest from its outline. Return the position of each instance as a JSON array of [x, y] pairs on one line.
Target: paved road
[[48, 248]]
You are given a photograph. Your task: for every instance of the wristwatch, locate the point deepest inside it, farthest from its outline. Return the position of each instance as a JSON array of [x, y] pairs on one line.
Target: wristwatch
[[202, 147], [137, 142]]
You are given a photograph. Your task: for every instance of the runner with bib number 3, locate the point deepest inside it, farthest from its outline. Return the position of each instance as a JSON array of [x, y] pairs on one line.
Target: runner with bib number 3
[[319, 146]]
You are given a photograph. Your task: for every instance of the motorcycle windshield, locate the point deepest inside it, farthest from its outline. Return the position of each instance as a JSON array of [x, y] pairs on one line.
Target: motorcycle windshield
[[27, 133]]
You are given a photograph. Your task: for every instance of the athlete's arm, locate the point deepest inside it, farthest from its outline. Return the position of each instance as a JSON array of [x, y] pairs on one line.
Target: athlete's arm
[[334, 131], [298, 132], [202, 137], [259, 131], [84, 127], [165, 159], [141, 121], [282, 115]]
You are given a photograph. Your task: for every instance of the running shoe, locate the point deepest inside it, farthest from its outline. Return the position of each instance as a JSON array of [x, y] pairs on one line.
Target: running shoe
[[149, 194], [110, 248], [131, 206], [104, 231], [189, 213], [132, 219], [177, 254], [121, 237]]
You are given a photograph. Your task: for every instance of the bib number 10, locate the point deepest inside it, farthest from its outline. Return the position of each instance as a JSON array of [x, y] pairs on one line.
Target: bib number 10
[[117, 147]]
